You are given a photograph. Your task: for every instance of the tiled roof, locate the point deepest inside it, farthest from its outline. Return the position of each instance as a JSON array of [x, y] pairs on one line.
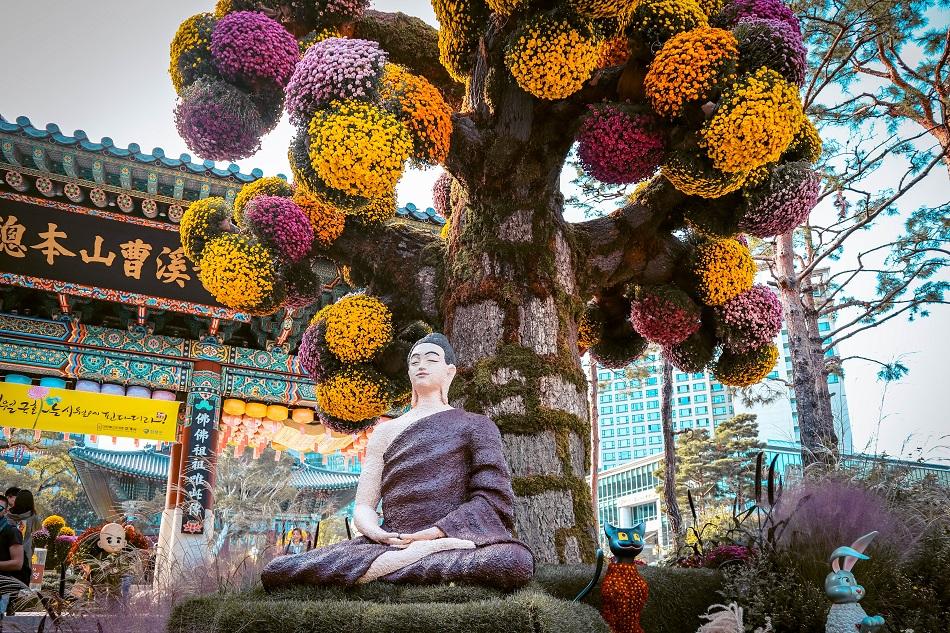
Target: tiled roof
[[51, 132], [152, 465]]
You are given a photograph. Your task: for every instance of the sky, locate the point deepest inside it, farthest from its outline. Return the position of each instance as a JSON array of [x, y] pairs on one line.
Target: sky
[[102, 67]]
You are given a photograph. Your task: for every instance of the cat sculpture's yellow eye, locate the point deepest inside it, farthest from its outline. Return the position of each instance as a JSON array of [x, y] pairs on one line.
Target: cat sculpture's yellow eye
[[636, 537], [622, 536]]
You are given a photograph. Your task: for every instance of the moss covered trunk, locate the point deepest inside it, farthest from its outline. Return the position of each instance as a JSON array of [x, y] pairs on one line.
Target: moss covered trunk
[[510, 305]]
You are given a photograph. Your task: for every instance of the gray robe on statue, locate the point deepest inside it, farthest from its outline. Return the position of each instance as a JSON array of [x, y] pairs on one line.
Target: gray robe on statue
[[446, 470]]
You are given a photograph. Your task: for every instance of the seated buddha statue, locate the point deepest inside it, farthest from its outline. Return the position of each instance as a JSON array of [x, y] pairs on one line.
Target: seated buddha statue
[[447, 500]]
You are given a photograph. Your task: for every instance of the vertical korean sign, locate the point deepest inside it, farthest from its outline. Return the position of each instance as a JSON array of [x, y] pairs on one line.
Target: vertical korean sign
[[198, 462]]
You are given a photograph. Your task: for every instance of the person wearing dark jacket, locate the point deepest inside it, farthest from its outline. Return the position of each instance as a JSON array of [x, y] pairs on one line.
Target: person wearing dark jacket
[[14, 567]]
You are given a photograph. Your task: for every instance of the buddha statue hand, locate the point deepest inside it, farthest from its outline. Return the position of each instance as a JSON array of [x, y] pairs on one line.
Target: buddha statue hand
[[429, 534]]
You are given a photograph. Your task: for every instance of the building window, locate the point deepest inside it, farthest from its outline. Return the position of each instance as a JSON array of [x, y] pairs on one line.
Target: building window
[[620, 384], [606, 421], [701, 410], [623, 430], [620, 397], [623, 444], [702, 422], [637, 430], [717, 386], [606, 397], [622, 408], [719, 410], [682, 377], [719, 399], [773, 375], [685, 412], [653, 380], [832, 379], [606, 410], [699, 386], [640, 453], [639, 441], [653, 404], [652, 393], [638, 406], [624, 455], [653, 428], [824, 326], [655, 451], [604, 375], [682, 388], [656, 439], [653, 416], [606, 432], [607, 445], [636, 394], [638, 417], [608, 457], [623, 419], [688, 424], [682, 400], [699, 398]]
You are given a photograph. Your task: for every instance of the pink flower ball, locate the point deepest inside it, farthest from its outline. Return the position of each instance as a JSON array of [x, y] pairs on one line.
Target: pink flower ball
[[281, 225], [617, 147], [249, 47], [750, 320], [664, 314]]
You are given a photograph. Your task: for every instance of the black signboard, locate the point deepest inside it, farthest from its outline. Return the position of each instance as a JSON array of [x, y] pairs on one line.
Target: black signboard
[[118, 256], [197, 479]]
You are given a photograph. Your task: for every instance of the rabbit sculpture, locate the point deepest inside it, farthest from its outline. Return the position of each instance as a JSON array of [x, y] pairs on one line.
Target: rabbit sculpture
[[846, 615]]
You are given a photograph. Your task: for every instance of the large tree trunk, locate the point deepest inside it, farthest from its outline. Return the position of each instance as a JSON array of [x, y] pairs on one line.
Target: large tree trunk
[[510, 308], [813, 402], [673, 513], [594, 437]]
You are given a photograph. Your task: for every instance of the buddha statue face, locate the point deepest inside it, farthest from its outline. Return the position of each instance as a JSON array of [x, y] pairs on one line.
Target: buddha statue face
[[112, 538], [429, 372]]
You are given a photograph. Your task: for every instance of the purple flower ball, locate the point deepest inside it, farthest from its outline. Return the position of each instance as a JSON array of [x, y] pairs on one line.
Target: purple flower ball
[[279, 223], [218, 121], [341, 10], [750, 320], [782, 202], [664, 315], [332, 69], [249, 47], [307, 351], [619, 148], [769, 9], [772, 43]]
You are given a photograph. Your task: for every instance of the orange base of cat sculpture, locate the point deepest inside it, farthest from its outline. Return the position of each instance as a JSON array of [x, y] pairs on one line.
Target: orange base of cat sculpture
[[623, 595]]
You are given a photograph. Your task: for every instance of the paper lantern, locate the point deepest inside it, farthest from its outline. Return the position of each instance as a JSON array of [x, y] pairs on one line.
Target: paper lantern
[[52, 382], [277, 412], [112, 389], [257, 451], [135, 391], [239, 450], [18, 379], [161, 394], [255, 410], [37, 434], [233, 406], [302, 416], [90, 386]]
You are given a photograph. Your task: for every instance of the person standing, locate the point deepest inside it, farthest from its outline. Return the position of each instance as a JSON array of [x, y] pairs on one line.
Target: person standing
[[296, 545], [23, 513], [14, 566]]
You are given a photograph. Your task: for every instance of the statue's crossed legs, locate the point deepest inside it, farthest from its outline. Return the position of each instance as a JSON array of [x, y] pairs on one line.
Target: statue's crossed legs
[[395, 560]]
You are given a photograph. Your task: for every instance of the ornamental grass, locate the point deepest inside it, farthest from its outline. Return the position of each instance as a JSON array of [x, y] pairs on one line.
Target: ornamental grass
[[358, 327], [754, 123], [659, 20], [744, 369], [422, 109], [239, 273], [782, 202], [690, 68], [664, 314], [280, 225], [250, 48], [190, 51], [203, 221], [750, 320], [334, 69], [771, 43], [355, 394], [551, 58], [266, 186], [358, 149], [218, 121], [617, 146], [723, 269]]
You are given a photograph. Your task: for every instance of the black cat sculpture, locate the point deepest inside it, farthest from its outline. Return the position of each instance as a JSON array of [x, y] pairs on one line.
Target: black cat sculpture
[[624, 592]]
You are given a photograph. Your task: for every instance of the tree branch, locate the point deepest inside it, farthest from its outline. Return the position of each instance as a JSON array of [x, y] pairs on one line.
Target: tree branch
[[412, 43], [396, 260], [630, 244]]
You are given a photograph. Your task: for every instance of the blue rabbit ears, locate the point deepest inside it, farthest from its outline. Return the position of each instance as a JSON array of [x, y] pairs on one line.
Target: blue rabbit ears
[[851, 555]]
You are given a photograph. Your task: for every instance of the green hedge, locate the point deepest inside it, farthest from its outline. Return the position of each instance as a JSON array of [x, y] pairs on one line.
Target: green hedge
[[677, 597]]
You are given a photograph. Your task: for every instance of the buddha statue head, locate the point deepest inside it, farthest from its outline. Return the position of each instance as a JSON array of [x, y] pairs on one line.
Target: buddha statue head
[[431, 368]]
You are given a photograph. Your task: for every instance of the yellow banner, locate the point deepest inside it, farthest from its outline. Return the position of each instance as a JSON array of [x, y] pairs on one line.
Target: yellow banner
[[67, 411]]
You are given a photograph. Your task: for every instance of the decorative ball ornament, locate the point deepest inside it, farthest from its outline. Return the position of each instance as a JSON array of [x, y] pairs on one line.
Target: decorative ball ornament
[[616, 146], [771, 43], [191, 51], [203, 221], [279, 224], [735, 10], [723, 269], [743, 369], [266, 186], [421, 108], [326, 220], [806, 146], [694, 354], [664, 314], [750, 320], [358, 327], [551, 58], [250, 48], [694, 174], [659, 20], [460, 22], [782, 202], [616, 351], [240, 273], [355, 394], [218, 121]]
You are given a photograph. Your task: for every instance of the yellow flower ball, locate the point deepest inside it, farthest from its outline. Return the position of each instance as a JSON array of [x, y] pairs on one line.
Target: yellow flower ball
[[240, 273], [202, 221], [354, 394], [327, 221], [597, 9], [358, 327], [694, 175], [54, 522], [190, 50], [690, 68], [266, 186], [460, 25], [723, 270], [358, 149], [422, 109], [659, 20], [806, 146], [551, 58], [755, 122], [746, 368]]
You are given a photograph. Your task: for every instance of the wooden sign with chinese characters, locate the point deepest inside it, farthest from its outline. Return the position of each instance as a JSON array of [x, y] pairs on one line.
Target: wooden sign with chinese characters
[[198, 480], [67, 411], [42, 240]]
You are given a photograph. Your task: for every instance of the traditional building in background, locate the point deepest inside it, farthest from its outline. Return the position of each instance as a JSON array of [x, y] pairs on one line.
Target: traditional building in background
[[96, 295]]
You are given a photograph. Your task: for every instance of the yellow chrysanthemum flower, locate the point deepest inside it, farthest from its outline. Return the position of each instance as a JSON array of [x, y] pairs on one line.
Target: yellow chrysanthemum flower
[[551, 58], [240, 274], [724, 269], [746, 368], [422, 109], [358, 327], [266, 186], [327, 221], [354, 394]]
